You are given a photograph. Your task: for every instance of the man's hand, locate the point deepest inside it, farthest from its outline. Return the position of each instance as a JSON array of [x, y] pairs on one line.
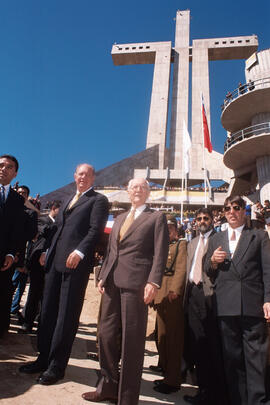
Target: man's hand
[[172, 296], [266, 310], [7, 263], [100, 288], [218, 256], [73, 260], [150, 291], [42, 259]]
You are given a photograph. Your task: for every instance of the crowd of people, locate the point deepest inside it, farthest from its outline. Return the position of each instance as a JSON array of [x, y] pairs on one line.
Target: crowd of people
[[208, 279]]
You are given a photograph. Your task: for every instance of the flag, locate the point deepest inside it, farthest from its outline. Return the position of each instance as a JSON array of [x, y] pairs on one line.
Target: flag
[[206, 135], [186, 147]]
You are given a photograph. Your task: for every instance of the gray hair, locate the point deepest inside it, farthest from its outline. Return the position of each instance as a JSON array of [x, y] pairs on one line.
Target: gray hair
[[138, 178]]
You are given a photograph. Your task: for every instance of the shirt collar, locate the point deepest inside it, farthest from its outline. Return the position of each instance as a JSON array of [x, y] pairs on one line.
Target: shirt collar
[[237, 230], [207, 234], [52, 218], [140, 208], [77, 192], [6, 188]]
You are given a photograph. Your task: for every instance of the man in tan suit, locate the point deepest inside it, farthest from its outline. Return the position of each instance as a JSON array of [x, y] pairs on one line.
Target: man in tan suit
[[202, 335], [170, 313], [129, 280]]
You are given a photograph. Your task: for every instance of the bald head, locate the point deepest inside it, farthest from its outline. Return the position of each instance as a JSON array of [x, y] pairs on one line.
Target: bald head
[[84, 177]]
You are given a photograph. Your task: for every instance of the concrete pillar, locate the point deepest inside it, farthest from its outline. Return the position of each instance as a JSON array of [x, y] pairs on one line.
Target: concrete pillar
[[158, 115], [179, 107], [263, 171]]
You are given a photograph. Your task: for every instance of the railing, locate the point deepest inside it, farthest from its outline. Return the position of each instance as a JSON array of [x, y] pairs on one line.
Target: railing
[[255, 130], [245, 88]]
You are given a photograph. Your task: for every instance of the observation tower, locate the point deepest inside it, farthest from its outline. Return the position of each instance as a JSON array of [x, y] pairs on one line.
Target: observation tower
[[246, 117]]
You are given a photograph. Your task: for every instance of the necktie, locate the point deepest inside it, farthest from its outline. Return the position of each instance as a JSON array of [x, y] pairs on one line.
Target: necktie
[[74, 200], [233, 236], [197, 272], [128, 221], [2, 195]]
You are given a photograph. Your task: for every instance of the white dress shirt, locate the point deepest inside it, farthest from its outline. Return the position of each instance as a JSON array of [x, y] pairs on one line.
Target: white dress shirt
[[233, 243], [205, 240]]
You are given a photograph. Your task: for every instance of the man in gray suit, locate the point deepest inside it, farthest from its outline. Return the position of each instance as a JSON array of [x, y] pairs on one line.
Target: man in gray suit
[[129, 279], [238, 259], [202, 336]]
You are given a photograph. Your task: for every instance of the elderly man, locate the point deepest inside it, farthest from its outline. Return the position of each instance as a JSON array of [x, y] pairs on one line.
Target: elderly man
[[129, 279], [238, 260], [80, 222]]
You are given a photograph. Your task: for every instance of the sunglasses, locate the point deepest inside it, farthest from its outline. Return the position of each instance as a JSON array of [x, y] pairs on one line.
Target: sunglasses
[[199, 219], [234, 207]]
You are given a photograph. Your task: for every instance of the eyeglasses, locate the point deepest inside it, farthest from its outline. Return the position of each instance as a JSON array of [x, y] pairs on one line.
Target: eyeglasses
[[234, 207], [199, 219]]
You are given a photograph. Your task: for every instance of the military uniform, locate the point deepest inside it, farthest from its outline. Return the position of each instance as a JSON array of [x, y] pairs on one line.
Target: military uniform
[[170, 315]]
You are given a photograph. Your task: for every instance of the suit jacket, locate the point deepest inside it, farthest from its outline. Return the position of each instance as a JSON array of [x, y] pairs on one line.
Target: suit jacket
[[191, 249], [30, 228], [140, 257], [46, 230], [11, 224], [175, 282], [242, 284], [78, 228]]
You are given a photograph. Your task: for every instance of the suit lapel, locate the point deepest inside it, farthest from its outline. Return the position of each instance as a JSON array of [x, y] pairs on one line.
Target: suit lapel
[[243, 244], [138, 221], [81, 200], [117, 225]]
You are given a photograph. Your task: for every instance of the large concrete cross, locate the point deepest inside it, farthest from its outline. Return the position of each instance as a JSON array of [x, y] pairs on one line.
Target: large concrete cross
[[162, 55]]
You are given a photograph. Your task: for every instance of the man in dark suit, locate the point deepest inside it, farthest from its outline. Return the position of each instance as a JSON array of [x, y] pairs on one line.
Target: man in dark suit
[[129, 279], [80, 222], [238, 259], [202, 335], [11, 234], [20, 275], [46, 226]]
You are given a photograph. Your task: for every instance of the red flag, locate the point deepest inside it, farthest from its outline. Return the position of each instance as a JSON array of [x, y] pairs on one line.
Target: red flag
[[206, 135]]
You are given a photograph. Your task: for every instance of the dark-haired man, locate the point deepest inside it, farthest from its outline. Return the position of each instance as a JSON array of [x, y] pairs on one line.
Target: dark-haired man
[[238, 260], [20, 275], [11, 234], [202, 336], [46, 229]]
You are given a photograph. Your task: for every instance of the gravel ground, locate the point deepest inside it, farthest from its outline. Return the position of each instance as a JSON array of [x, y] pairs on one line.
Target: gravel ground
[[81, 373]]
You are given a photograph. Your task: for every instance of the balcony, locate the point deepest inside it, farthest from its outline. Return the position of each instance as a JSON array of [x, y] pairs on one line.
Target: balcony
[[243, 147], [244, 103]]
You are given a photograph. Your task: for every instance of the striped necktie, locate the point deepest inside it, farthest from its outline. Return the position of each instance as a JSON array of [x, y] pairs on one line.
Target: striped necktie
[[2, 196]]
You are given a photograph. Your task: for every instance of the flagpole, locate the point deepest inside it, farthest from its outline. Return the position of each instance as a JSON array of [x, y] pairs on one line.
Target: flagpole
[[204, 165], [182, 183]]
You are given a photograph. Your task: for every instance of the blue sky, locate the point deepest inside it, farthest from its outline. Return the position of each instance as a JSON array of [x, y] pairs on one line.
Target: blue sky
[[62, 101]]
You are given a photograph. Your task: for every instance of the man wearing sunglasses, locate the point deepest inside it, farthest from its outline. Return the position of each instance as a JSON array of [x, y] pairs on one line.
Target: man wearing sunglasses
[[202, 335], [238, 260]]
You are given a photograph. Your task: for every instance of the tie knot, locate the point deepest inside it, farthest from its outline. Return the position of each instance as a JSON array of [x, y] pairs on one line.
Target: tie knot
[[233, 236]]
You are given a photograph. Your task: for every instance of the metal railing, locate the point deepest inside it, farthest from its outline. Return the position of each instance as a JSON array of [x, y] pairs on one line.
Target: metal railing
[[245, 133], [245, 88]]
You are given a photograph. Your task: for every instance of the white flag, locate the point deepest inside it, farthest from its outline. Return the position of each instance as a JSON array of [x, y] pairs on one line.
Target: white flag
[[186, 147]]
